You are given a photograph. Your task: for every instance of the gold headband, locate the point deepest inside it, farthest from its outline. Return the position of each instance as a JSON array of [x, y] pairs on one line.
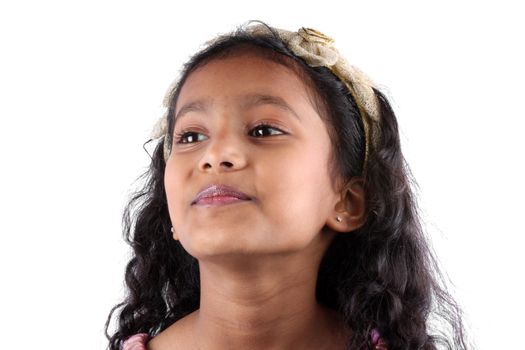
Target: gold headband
[[317, 50]]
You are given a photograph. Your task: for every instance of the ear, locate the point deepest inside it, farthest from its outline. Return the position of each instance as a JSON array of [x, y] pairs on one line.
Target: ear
[[174, 234], [350, 207]]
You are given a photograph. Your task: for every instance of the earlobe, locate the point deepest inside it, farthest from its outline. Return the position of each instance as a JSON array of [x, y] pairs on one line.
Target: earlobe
[[174, 234], [350, 207]]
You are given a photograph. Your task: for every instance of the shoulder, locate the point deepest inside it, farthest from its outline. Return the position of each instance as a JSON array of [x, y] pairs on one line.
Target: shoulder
[[177, 335], [136, 342], [143, 341]]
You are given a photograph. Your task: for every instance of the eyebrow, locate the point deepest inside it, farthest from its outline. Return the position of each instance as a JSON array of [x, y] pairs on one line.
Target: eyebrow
[[246, 101]]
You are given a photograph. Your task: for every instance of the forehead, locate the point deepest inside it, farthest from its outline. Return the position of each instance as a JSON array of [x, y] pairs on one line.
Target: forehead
[[233, 77]]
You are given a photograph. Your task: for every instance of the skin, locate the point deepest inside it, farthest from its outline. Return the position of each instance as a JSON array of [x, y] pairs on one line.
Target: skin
[[258, 259]]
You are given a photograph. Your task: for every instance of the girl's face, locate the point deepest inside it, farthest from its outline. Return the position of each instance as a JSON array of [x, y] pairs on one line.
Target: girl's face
[[283, 167]]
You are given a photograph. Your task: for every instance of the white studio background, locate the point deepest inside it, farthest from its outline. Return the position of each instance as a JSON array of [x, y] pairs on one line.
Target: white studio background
[[82, 83]]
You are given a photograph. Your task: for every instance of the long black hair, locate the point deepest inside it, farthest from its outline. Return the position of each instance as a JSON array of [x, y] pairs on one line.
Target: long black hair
[[383, 275]]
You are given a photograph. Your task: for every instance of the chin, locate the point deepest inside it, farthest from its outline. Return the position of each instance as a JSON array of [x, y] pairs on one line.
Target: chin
[[210, 242], [226, 246]]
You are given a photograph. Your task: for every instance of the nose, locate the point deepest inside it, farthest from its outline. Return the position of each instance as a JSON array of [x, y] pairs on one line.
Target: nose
[[224, 152]]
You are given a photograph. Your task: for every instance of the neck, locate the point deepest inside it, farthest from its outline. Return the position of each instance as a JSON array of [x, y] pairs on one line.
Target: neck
[[263, 304]]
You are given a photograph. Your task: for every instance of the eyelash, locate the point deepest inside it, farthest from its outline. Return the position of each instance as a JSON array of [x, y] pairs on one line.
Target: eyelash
[[180, 135]]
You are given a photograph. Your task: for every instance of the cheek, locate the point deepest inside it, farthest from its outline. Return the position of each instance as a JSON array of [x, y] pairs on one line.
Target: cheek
[[297, 187], [169, 180], [173, 184]]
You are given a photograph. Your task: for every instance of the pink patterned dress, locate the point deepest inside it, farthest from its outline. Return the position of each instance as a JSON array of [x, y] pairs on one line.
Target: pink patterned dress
[[139, 341]]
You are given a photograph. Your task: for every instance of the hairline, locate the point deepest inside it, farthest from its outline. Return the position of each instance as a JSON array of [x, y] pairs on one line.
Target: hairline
[[241, 49]]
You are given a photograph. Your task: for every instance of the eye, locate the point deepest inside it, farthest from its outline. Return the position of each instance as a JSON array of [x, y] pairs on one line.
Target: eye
[[186, 136], [261, 130], [264, 126]]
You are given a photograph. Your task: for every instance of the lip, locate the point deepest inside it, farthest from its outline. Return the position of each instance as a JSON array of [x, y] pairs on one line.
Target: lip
[[219, 194]]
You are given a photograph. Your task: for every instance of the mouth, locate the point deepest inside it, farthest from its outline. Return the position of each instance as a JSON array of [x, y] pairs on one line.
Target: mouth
[[218, 194], [219, 201]]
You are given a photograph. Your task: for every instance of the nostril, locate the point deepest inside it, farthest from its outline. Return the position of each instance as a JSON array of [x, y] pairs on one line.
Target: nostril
[[228, 164]]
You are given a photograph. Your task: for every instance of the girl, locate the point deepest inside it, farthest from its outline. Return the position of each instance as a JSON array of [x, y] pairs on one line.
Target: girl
[[278, 212]]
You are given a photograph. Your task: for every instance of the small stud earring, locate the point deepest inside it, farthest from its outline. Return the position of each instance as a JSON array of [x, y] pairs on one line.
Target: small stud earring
[[338, 219], [171, 229]]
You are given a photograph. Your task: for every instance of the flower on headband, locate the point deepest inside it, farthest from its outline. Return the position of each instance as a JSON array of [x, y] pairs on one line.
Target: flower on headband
[[315, 36], [311, 45], [315, 47]]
